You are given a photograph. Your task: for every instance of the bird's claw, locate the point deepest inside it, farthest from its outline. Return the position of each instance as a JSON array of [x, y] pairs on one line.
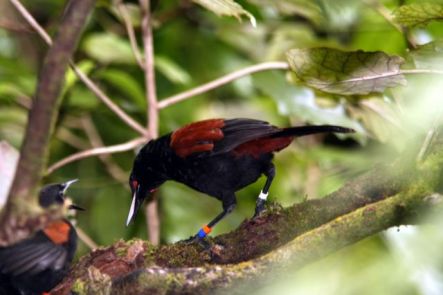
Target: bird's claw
[[259, 207], [198, 240]]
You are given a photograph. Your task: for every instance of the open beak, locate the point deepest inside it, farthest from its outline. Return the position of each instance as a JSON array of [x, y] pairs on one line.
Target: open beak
[[75, 207], [135, 205], [67, 184]]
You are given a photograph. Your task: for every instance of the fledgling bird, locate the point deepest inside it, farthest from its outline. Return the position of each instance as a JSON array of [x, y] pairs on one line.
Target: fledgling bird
[[217, 157], [37, 264]]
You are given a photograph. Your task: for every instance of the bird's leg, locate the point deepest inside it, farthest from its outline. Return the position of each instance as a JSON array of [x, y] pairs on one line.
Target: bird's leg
[[261, 200], [229, 204]]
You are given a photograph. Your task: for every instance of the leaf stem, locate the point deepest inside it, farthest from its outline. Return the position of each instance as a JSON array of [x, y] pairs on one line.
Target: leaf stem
[[421, 71]]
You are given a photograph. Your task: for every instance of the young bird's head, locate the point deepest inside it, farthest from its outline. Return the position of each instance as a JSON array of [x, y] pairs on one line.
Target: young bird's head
[[145, 178], [54, 194]]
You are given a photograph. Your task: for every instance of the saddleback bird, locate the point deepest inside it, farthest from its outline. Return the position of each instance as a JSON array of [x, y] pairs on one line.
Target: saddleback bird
[[37, 264], [217, 157]]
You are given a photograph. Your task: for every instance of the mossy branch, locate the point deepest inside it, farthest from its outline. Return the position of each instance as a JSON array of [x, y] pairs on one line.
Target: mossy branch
[[41, 120], [284, 237]]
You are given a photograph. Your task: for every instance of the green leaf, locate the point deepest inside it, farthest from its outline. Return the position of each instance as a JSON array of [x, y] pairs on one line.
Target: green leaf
[[418, 13], [306, 8], [109, 48], [340, 15], [126, 84], [71, 78], [347, 73], [227, 7], [428, 56], [380, 118], [133, 11], [82, 98], [171, 70], [9, 90]]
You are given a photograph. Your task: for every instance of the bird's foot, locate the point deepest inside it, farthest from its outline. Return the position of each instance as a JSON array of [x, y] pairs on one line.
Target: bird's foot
[[259, 208], [200, 237], [199, 241]]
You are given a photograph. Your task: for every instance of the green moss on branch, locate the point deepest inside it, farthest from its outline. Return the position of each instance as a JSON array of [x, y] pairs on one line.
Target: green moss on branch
[[282, 238]]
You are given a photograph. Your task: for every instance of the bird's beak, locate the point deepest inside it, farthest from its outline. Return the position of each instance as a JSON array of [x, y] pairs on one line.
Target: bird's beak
[[75, 207], [68, 183], [135, 205]]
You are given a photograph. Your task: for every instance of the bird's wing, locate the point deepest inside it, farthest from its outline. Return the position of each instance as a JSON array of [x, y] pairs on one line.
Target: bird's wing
[[216, 136], [44, 250]]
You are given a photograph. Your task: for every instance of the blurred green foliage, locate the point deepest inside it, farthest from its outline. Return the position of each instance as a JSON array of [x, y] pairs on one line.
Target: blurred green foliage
[[193, 46]]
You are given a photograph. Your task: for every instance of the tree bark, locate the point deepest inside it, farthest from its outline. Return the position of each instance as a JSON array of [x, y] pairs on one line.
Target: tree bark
[[388, 195], [21, 215]]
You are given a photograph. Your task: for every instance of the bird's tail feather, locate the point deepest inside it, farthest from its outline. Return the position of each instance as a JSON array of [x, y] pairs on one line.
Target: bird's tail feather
[[307, 130]]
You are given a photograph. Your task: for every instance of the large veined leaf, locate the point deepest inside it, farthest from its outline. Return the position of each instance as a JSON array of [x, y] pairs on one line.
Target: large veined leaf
[[347, 73], [226, 7], [418, 13], [301, 102]]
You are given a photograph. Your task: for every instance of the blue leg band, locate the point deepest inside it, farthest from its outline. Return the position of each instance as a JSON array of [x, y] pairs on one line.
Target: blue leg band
[[201, 233]]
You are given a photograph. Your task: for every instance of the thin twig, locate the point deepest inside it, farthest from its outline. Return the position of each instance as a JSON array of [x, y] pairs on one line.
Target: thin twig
[[10, 26], [151, 92], [19, 218], [430, 135], [153, 221], [65, 135], [108, 102], [85, 79], [96, 141], [131, 34], [86, 239], [31, 21], [118, 148], [45, 106], [277, 65]]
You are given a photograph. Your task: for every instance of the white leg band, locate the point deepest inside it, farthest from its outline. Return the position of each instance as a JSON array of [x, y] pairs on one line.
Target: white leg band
[[263, 196]]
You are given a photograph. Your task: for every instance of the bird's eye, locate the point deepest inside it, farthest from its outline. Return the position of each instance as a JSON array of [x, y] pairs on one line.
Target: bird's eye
[[134, 184]]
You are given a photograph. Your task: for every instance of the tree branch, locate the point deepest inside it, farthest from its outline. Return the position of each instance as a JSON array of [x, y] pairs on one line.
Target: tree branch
[[118, 148], [85, 79], [152, 217], [41, 120], [292, 237], [109, 103], [131, 34], [266, 66], [96, 141], [31, 21]]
